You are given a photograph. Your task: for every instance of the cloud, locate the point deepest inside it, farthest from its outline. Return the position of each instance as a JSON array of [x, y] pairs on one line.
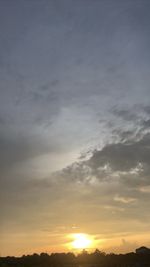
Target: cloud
[[122, 156], [124, 200], [18, 147], [145, 189], [74, 79], [147, 109], [125, 114], [115, 176]]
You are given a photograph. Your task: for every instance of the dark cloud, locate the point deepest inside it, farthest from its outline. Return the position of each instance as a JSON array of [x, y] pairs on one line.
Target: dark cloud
[[125, 114], [147, 109], [146, 124], [122, 156], [125, 164]]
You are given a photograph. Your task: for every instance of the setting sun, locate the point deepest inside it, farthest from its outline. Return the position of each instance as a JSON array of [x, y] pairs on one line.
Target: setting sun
[[81, 241]]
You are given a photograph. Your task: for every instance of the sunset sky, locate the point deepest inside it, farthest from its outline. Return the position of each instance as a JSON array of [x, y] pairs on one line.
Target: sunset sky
[[74, 124]]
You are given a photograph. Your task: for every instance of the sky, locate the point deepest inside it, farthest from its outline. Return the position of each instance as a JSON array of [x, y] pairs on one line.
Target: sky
[[74, 124]]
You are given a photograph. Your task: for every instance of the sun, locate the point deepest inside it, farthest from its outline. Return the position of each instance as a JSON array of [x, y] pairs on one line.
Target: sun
[[81, 241]]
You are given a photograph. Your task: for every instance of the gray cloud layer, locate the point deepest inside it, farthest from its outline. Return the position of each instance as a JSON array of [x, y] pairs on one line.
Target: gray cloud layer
[[74, 115]]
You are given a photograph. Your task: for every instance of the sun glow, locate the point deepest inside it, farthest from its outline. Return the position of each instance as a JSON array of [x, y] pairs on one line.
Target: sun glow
[[81, 241]]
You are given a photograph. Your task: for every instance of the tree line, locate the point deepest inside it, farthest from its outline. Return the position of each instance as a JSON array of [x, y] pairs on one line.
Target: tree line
[[83, 259]]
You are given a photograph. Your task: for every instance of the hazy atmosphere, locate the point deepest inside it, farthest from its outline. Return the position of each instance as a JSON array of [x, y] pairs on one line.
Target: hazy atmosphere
[[74, 124]]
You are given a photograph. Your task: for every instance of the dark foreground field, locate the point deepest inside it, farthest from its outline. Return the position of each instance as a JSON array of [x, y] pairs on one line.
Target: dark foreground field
[[96, 259]]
